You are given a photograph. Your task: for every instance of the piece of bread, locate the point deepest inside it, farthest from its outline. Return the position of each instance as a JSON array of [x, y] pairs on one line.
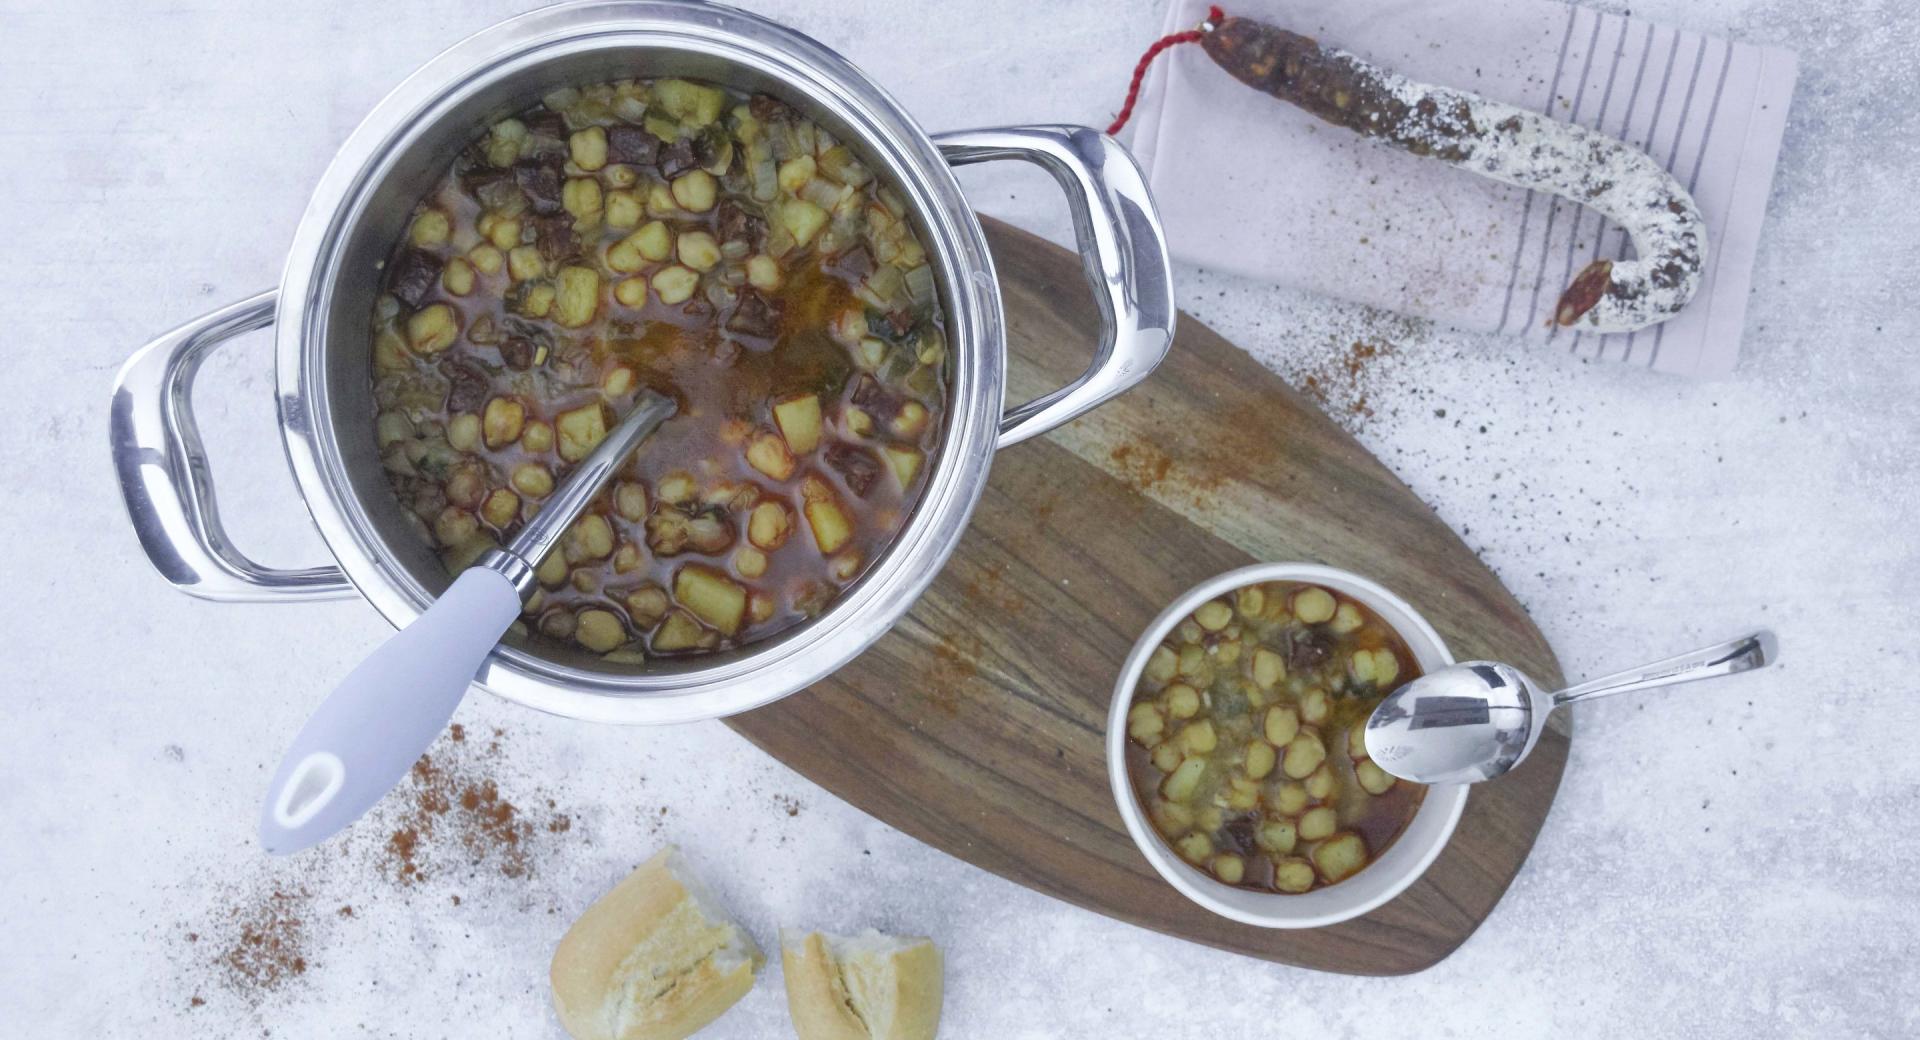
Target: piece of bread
[[867, 987], [654, 959]]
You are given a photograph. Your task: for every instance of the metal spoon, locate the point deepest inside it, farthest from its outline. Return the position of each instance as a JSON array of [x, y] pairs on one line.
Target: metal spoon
[[1475, 720], [366, 735]]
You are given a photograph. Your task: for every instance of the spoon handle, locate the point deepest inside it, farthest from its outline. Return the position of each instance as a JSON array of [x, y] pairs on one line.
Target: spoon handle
[[1756, 650]]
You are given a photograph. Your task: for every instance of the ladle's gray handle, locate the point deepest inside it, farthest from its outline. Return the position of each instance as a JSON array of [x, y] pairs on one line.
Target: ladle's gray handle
[[1737, 655]]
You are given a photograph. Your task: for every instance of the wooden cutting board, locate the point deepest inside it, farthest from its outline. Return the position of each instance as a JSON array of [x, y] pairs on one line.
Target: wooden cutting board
[[978, 724]]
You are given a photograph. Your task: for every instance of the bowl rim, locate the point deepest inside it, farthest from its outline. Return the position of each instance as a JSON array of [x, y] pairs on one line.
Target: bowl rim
[[1441, 808]]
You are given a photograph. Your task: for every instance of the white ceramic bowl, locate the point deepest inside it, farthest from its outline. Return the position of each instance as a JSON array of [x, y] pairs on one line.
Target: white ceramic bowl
[[1389, 875]]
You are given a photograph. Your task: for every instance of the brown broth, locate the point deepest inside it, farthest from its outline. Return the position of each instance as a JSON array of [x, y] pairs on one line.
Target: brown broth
[[852, 322]]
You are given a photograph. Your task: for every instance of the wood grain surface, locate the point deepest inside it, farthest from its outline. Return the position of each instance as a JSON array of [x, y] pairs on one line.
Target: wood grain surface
[[978, 724]]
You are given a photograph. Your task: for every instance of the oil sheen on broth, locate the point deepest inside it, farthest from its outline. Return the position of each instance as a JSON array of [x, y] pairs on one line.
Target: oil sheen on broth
[[1245, 738], [718, 248]]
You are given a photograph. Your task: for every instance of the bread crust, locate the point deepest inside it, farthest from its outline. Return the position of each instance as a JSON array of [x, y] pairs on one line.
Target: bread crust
[[653, 959], [865, 988]]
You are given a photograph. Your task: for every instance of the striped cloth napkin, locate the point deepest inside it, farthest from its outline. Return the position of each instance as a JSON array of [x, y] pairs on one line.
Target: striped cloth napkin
[[1254, 186]]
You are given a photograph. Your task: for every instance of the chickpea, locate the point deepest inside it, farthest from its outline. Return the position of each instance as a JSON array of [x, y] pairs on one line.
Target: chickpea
[[588, 148], [675, 284], [694, 191], [430, 229], [532, 480]]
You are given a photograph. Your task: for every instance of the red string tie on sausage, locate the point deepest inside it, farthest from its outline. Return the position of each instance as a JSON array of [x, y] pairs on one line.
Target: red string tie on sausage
[[1214, 17]]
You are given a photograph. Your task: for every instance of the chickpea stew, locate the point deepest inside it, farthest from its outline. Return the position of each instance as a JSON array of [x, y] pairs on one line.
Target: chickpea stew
[[718, 248], [1245, 738]]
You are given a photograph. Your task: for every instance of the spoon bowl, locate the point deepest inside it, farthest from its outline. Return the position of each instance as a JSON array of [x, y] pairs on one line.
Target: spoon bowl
[[1476, 720]]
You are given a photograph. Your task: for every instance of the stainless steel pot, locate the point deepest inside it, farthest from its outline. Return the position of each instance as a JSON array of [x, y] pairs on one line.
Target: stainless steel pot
[[320, 320]]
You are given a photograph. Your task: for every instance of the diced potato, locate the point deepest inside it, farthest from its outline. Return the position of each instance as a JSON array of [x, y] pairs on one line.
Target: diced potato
[[759, 607], [624, 210], [503, 421], [904, 462], [580, 430], [537, 301], [678, 632], [1320, 785], [537, 439], [1195, 847], [647, 604], [393, 427], [1183, 701], [675, 284], [799, 422], [1318, 823], [627, 558], [694, 191], [1276, 836], [457, 276], [432, 329], [1144, 723], [631, 292], [1290, 798], [1181, 784], [693, 104], [617, 382], [502, 232], [430, 229], [588, 148], [795, 173], [713, 597], [630, 500], [911, 421], [524, 263], [749, 561], [1250, 601], [532, 480], [504, 142], [598, 630], [763, 272], [1373, 779], [1340, 857], [698, 250], [454, 526], [801, 219], [582, 200], [1292, 874], [1313, 705], [1313, 604], [463, 431], [1199, 737], [769, 454], [1280, 725], [486, 259], [769, 526], [677, 487], [1268, 668], [1166, 757], [579, 296], [831, 526], [1260, 759], [1357, 741], [1195, 666], [390, 352], [501, 508], [590, 538], [1229, 868], [1346, 618], [1304, 755], [1161, 664], [1213, 615]]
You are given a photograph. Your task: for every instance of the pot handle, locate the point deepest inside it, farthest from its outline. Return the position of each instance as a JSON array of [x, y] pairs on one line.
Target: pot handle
[[165, 479], [1122, 245]]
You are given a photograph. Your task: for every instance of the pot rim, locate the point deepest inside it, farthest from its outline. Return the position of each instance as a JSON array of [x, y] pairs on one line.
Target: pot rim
[[761, 672], [1404, 862]]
